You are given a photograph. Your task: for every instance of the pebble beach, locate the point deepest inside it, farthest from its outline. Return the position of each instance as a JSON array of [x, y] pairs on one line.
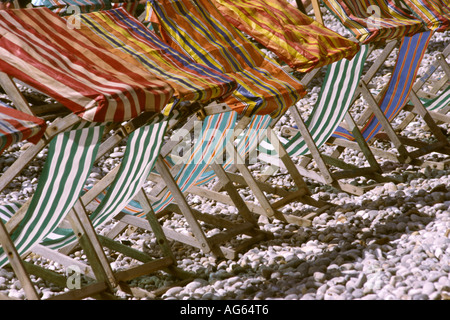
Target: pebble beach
[[391, 243]]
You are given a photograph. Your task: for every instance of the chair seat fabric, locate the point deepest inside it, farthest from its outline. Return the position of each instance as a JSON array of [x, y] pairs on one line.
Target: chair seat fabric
[[434, 13], [296, 38], [124, 36], [374, 21]]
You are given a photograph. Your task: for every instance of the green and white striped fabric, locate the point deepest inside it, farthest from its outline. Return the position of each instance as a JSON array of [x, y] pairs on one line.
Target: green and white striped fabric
[[337, 92], [143, 147], [70, 158], [438, 103]]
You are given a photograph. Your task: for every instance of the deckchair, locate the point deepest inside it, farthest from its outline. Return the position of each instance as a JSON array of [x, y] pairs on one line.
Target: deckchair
[[392, 101], [208, 38], [281, 28], [131, 98], [142, 150], [436, 16], [17, 126], [70, 158], [92, 84]]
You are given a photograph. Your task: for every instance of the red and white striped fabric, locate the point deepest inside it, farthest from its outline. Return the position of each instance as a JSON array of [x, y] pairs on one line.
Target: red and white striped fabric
[[16, 126], [46, 52]]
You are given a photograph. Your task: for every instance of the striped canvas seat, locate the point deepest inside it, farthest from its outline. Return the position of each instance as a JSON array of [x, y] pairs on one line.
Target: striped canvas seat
[[373, 21], [143, 148], [124, 36], [70, 157], [39, 49], [296, 38], [17, 126], [198, 29], [67, 7], [400, 85], [434, 13], [334, 101]]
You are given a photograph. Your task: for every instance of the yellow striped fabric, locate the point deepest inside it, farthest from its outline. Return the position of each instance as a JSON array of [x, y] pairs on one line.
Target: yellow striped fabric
[[434, 13], [124, 36], [200, 30], [373, 21], [296, 38]]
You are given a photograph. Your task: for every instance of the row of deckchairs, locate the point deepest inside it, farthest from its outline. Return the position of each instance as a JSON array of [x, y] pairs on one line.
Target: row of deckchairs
[[219, 61]]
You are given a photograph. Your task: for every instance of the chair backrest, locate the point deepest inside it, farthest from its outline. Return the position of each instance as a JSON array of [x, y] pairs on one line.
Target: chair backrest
[[69, 161], [296, 38], [434, 13], [143, 147], [411, 52], [16, 126], [198, 29], [371, 21]]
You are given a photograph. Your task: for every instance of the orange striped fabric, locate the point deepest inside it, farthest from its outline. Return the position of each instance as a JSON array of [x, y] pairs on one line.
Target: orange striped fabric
[[373, 21], [296, 38], [434, 13], [38, 48], [198, 29]]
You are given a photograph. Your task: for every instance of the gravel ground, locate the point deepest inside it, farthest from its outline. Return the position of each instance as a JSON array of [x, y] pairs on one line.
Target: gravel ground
[[392, 243]]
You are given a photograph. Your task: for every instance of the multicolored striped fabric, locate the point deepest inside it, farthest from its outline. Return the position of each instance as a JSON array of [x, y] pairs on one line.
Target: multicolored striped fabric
[[67, 7], [200, 30], [296, 38], [70, 157], [38, 48], [124, 36], [143, 148], [409, 58], [17, 126], [434, 13], [373, 21]]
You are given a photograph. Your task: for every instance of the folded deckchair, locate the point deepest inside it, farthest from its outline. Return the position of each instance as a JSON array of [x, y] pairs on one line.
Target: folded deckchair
[[70, 158], [263, 86]]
